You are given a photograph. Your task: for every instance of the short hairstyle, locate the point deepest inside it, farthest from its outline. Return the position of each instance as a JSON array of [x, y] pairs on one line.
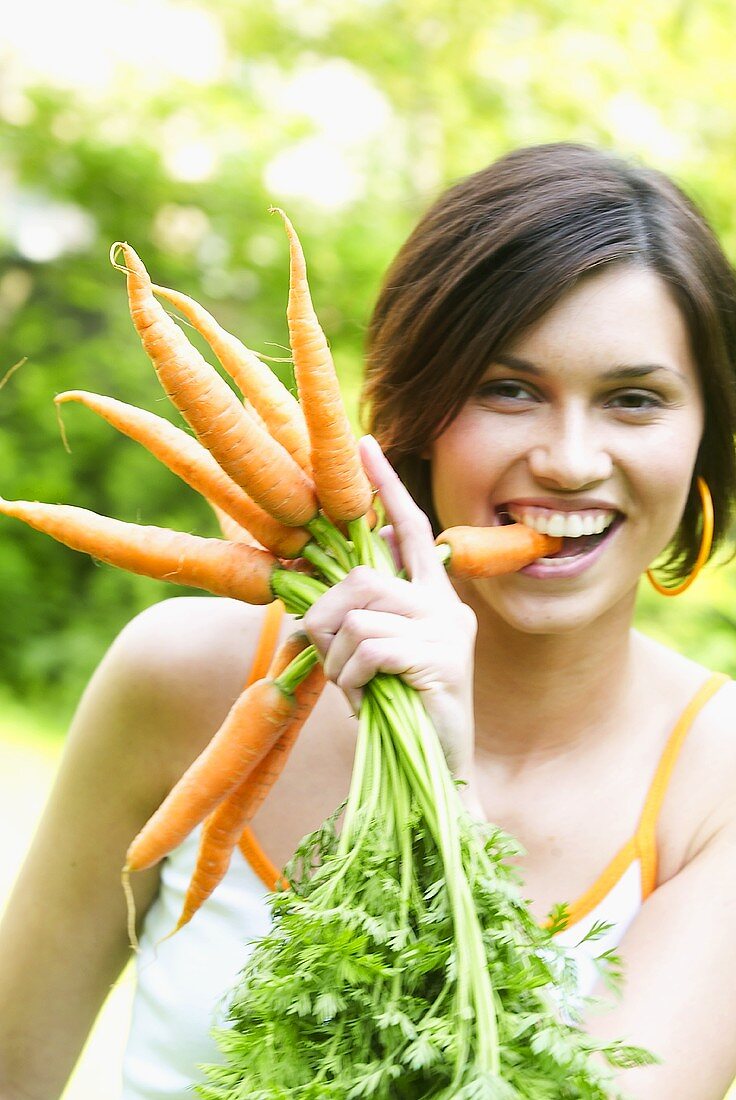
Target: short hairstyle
[[495, 252]]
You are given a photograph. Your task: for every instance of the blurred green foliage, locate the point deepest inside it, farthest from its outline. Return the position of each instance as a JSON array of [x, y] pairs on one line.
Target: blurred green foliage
[[444, 89]]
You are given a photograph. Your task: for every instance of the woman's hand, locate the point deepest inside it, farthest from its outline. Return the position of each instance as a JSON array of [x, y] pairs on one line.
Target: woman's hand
[[417, 629]]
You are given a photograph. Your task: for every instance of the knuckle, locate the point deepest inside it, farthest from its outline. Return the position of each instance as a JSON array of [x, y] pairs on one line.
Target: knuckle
[[468, 618], [416, 519], [343, 680], [352, 622], [362, 578], [308, 619], [312, 622], [369, 651], [423, 524]]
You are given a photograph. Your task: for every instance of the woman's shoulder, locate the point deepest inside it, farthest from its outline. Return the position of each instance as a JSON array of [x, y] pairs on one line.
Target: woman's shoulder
[[699, 796], [675, 675], [183, 628], [189, 658]]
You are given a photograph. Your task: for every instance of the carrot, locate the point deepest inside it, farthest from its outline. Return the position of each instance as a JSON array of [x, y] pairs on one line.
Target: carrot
[[224, 826], [232, 530], [255, 461], [252, 411], [265, 774], [194, 464], [260, 666], [223, 568], [341, 482], [490, 551], [278, 407], [254, 722]]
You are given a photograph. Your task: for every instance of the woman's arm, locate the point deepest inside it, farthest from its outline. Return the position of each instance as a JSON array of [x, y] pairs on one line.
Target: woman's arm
[[679, 955], [146, 713]]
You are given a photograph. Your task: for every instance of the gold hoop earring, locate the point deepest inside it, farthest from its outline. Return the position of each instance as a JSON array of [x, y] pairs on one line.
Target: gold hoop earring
[[705, 545]]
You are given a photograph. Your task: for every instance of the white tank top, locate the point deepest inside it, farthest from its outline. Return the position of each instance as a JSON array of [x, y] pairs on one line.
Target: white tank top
[[182, 991]]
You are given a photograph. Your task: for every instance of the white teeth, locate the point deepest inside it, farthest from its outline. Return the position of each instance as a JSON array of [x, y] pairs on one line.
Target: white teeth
[[568, 524], [555, 524], [575, 526]]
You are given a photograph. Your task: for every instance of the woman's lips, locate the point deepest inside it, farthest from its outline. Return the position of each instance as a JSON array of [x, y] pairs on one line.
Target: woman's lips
[[555, 567]]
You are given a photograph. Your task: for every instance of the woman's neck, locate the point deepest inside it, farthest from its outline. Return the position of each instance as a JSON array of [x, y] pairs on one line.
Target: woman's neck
[[539, 697]]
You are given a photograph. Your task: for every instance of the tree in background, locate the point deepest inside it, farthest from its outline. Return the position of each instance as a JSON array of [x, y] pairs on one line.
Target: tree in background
[[352, 117]]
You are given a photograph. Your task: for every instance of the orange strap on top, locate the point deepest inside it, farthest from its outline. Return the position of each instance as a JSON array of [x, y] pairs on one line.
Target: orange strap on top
[[646, 833], [267, 642], [265, 650]]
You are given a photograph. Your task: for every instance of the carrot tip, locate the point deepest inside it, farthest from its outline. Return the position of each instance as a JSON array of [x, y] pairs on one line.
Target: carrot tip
[[179, 924], [113, 253]]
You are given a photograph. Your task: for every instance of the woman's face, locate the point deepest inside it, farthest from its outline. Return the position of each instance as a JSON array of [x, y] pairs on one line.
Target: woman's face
[[562, 428]]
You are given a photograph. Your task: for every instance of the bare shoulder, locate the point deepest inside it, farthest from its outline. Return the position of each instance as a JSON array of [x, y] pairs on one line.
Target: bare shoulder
[[190, 657], [699, 797], [185, 660], [711, 760]]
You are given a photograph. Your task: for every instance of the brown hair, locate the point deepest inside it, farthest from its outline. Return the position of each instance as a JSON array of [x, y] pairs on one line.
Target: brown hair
[[499, 249]]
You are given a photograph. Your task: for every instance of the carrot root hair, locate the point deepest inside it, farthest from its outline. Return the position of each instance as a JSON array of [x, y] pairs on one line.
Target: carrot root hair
[[130, 906], [12, 370], [62, 429]]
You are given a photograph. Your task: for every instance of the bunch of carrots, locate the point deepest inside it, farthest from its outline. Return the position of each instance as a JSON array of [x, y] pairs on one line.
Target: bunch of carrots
[[297, 510]]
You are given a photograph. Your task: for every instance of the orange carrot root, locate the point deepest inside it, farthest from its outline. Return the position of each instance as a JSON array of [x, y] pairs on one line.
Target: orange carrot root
[[255, 461], [490, 551], [232, 531], [224, 568], [224, 827], [275, 405], [194, 464], [253, 724], [342, 486]]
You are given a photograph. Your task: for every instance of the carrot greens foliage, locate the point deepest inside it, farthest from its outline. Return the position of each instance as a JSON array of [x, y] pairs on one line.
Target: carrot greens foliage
[[403, 961]]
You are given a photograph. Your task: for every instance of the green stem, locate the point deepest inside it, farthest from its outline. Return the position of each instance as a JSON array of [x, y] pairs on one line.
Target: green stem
[[364, 814], [444, 552], [331, 570], [363, 540], [297, 670], [357, 778], [399, 756], [297, 590], [332, 540]]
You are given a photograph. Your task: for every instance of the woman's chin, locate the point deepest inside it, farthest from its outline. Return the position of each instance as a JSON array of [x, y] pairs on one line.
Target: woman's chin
[[538, 612]]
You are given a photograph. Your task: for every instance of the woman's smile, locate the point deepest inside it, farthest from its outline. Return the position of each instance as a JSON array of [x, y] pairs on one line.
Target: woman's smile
[[585, 532], [553, 438], [571, 559]]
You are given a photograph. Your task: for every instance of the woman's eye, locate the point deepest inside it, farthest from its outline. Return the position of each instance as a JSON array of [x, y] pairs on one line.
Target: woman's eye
[[501, 389], [645, 401]]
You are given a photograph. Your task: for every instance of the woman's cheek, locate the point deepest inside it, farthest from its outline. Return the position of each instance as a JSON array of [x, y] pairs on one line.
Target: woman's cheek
[[464, 470], [658, 480]]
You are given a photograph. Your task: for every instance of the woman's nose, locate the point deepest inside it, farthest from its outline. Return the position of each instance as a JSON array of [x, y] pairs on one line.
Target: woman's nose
[[570, 452]]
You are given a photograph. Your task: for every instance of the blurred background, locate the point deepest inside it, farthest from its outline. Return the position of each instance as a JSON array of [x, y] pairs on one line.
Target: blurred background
[[174, 126]]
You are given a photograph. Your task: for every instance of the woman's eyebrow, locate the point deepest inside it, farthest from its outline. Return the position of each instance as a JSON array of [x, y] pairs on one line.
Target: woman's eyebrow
[[637, 371]]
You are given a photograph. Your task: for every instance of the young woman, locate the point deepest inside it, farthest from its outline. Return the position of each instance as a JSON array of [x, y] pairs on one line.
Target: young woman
[[556, 344]]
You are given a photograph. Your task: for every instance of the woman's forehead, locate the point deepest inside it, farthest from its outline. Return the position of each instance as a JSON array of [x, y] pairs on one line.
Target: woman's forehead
[[614, 319]]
